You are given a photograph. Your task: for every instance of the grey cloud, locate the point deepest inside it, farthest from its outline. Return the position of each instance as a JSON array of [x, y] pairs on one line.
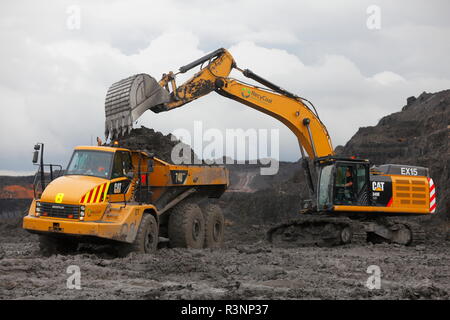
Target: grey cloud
[[54, 80]]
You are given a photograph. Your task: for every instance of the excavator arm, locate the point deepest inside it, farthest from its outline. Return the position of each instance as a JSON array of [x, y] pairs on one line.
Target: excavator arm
[[128, 99]]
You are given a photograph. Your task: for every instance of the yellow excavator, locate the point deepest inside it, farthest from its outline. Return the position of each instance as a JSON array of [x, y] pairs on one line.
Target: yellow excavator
[[351, 200]]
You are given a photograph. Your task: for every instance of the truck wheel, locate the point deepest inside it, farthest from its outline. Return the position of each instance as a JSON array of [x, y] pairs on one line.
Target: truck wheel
[[52, 245], [147, 236], [186, 226], [214, 226]]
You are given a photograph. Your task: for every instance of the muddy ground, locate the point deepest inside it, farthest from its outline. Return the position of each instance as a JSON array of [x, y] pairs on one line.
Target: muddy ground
[[247, 268]]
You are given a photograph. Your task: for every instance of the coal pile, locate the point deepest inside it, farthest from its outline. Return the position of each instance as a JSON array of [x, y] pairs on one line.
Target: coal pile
[[155, 143], [417, 135]]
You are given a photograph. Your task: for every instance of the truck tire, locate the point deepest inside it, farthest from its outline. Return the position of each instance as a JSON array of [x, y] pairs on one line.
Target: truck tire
[[214, 226], [49, 245], [186, 226], [147, 236]]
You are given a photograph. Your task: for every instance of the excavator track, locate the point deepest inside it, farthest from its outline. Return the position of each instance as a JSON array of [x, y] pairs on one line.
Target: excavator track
[[316, 230], [395, 230]]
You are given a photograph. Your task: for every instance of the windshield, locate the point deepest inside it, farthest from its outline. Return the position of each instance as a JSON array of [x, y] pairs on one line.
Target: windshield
[[90, 163]]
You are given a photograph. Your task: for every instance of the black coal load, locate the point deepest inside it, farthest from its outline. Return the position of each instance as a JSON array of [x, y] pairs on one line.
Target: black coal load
[[417, 135], [154, 143]]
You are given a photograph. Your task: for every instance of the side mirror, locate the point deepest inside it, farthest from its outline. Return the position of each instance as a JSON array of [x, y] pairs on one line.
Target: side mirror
[[35, 156]]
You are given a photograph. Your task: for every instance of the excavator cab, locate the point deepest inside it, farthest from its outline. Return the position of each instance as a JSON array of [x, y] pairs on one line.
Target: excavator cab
[[343, 182]]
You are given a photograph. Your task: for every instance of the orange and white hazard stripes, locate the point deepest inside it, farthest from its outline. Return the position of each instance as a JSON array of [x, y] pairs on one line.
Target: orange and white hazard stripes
[[96, 195], [432, 196]]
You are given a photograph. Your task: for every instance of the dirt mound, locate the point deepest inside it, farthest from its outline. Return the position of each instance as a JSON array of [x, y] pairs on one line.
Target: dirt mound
[[17, 192], [16, 187], [417, 135]]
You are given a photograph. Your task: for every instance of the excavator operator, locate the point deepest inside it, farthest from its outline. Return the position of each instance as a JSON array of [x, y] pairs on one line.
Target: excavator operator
[[344, 186], [348, 178]]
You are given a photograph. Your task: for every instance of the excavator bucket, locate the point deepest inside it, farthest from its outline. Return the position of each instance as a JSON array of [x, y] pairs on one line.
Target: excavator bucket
[[128, 99]]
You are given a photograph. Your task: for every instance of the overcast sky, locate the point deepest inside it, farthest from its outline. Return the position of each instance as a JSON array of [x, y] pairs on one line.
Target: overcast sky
[[54, 76]]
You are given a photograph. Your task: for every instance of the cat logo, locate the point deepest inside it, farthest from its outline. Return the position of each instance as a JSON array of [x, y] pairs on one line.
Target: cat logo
[[178, 176], [377, 186], [117, 187]]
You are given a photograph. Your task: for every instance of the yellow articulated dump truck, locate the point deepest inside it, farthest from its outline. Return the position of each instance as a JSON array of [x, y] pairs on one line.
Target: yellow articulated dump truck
[[127, 198]]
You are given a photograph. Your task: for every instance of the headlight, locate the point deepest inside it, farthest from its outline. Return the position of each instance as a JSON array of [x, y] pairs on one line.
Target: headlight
[[38, 209], [82, 208]]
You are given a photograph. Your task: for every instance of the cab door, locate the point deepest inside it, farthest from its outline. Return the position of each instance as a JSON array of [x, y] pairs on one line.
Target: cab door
[[351, 186], [325, 187], [121, 177]]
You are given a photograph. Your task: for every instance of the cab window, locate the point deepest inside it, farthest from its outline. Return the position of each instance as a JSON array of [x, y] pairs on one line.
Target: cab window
[[345, 185], [325, 187], [122, 164], [90, 163], [361, 178]]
